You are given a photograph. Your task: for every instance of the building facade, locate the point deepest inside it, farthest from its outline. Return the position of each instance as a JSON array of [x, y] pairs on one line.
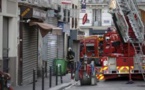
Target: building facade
[[9, 38], [40, 37], [98, 17], [21, 42], [68, 20]]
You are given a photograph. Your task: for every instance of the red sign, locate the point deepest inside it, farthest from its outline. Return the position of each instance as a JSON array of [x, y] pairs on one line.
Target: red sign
[[66, 2], [85, 18]]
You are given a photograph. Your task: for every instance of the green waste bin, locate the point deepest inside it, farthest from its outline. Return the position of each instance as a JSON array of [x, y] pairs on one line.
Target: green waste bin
[[58, 63]]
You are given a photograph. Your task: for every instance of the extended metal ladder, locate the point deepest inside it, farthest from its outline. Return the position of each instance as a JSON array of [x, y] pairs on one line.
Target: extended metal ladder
[[137, 27], [139, 57], [128, 8]]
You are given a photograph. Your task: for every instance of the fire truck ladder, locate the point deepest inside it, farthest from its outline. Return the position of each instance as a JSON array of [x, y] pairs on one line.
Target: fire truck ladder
[[139, 57], [137, 27], [129, 8]]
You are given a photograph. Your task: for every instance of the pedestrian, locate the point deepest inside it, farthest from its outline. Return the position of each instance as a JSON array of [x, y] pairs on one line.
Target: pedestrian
[[70, 58]]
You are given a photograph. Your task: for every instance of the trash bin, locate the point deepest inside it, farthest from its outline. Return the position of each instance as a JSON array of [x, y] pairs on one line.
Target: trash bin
[[58, 63]]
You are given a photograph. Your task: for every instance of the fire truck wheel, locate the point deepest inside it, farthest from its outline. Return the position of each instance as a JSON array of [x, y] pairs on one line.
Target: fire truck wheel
[[86, 80]]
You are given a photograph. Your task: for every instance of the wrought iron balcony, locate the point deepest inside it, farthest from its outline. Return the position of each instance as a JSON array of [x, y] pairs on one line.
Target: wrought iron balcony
[[106, 2], [97, 2]]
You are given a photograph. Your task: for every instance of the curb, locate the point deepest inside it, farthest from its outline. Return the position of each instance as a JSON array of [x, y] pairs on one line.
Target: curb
[[62, 86]]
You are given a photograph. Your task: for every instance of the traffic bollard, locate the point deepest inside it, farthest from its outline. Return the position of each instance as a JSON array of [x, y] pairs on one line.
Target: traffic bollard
[[33, 79], [42, 78], [56, 75], [46, 69], [61, 79], [50, 79]]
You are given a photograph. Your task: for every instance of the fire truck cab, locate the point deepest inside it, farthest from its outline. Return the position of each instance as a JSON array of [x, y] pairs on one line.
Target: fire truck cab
[[90, 46]]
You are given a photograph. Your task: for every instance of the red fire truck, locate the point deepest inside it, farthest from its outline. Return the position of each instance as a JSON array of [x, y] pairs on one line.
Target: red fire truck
[[123, 52]]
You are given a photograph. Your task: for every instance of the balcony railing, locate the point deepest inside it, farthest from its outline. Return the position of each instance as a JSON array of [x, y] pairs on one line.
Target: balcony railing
[[139, 2], [97, 1]]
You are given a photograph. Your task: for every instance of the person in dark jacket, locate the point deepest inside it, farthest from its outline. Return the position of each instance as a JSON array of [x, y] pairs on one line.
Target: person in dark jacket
[[70, 58]]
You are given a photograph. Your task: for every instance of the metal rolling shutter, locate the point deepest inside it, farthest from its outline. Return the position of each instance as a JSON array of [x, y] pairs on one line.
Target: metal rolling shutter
[[61, 46], [30, 51], [52, 43], [52, 49]]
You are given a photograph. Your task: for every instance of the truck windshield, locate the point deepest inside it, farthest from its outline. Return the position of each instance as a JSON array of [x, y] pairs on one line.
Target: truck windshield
[[90, 47]]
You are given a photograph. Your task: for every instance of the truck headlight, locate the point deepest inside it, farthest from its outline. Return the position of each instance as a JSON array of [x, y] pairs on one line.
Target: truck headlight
[[85, 57], [105, 63]]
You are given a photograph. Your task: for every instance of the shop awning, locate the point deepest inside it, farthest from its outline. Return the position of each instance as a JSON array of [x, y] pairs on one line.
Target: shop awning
[[45, 28]]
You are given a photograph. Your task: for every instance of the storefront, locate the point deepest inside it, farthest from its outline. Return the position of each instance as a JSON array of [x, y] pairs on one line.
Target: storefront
[[31, 24]]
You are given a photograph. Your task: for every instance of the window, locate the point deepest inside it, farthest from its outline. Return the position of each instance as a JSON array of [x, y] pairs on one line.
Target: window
[[64, 14], [69, 16], [106, 21], [90, 48], [97, 17], [76, 23], [73, 22], [0, 5]]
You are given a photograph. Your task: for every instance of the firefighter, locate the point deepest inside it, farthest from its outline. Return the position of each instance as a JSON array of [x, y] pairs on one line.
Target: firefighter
[[5, 82], [70, 58]]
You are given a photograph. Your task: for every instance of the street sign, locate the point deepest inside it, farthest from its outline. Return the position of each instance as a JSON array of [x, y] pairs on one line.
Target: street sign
[[85, 17], [83, 4]]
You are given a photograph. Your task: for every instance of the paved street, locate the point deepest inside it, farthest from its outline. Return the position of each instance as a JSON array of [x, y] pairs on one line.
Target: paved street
[[111, 85]]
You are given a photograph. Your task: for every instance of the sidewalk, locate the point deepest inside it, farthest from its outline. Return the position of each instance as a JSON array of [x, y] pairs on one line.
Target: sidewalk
[[66, 79]]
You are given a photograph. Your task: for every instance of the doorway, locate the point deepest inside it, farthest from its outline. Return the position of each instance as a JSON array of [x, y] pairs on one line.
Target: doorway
[[5, 44]]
